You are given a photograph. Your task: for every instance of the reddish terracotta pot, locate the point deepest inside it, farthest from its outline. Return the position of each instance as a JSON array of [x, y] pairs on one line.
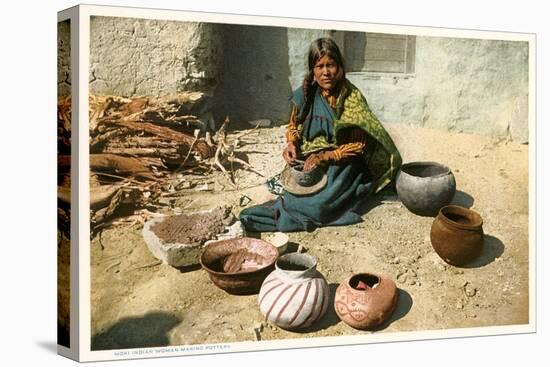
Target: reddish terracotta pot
[[457, 234], [364, 301]]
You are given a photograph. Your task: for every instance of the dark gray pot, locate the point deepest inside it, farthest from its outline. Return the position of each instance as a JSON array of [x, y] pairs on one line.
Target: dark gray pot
[[306, 179], [425, 187]]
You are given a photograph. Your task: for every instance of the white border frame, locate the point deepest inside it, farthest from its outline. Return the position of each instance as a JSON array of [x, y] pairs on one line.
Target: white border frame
[[81, 327]]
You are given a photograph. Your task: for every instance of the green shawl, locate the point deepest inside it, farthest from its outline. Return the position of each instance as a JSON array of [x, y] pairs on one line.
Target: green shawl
[[352, 111]]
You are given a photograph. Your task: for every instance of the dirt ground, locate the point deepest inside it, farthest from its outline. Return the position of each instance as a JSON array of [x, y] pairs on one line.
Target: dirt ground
[[137, 302]]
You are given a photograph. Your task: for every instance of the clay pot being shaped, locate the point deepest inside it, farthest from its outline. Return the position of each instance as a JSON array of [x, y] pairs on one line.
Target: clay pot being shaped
[[425, 187], [364, 301], [295, 295], [457, 234], [306, 178]]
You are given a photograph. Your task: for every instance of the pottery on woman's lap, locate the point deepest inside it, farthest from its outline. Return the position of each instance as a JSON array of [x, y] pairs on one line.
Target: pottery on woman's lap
[[301, 183], [365, 301], [425, 187], [295, 295], [305, 178], [457, 235]]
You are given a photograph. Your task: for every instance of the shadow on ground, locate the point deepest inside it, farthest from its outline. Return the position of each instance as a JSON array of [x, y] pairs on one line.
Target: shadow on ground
[[492, 249], [463, 199], [460, 198], [188, 268], [329, 319], [150, 330], [375, 201], [292, 247], [404, 305]]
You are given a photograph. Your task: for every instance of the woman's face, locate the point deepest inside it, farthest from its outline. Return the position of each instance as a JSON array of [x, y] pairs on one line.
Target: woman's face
[[326, 72]]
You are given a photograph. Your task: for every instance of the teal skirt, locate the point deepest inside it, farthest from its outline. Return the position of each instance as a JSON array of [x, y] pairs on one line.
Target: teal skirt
[[348, 188]]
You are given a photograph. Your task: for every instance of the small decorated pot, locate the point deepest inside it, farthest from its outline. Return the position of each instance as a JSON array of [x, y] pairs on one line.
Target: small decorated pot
[[295, 295], [457, 234], [364, 301], [279, 240]]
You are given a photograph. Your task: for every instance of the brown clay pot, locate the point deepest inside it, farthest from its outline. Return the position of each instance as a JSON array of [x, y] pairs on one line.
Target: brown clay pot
[[239, 265], [364, 301], [457, 234]]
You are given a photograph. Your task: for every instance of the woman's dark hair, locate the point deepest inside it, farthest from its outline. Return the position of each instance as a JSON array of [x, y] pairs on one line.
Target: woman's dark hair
[[319, 48]]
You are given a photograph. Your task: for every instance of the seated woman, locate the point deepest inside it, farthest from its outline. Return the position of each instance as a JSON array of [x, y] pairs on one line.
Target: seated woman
[[331, 125]]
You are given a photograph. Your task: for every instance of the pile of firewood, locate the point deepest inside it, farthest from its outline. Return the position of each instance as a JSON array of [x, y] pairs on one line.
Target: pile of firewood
[[137, 145], [146, 127]]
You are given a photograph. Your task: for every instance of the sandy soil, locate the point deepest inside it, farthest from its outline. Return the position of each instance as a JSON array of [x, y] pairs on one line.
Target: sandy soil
[[137, 302]]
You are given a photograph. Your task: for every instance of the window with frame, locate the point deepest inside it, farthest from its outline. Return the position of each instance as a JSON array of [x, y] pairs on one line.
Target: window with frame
[[379, 52]]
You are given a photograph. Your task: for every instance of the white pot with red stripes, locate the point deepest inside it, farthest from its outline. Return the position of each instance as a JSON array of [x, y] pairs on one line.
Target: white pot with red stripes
[[295, 295]]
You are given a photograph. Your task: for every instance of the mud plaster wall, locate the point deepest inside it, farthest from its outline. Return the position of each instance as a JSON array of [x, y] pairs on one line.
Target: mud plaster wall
[[132, 57], [251, 70], [64, 58], [461, 85], [261, 67], [298, 44], [254, 82]]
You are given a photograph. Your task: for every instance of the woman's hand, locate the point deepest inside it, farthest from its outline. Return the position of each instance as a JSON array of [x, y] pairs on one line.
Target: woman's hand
[[311, 162], [290, 153]]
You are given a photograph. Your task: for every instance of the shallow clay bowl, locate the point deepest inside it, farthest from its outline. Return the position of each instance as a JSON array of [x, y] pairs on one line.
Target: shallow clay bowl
[[240, 265]]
